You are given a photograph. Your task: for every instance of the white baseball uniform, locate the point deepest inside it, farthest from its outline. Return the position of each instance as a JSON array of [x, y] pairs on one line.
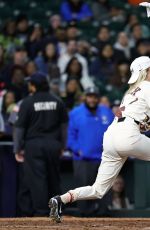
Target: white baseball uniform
[[121, 140]]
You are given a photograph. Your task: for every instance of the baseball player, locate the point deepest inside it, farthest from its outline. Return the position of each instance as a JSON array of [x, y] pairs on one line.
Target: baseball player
[[122, 139]]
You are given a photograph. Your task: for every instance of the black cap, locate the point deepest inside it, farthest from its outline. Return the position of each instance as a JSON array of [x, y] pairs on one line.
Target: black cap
[[37, 78], [92, 90]]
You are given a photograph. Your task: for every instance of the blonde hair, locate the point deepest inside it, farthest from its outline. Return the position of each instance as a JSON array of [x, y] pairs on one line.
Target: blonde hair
[[142, 77]]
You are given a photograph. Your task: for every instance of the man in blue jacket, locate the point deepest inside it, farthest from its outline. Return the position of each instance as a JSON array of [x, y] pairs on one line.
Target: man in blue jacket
[[87, 125], [75, 10]]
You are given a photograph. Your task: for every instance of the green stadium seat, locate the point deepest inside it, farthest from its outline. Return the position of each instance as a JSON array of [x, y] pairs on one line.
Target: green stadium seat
[[119, 4], [5, 12], [116, 26]]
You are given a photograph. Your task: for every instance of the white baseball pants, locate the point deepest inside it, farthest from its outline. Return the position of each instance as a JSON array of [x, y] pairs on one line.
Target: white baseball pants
[[121, 140]]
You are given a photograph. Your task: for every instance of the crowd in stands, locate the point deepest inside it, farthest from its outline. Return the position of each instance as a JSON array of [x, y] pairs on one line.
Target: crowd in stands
[[84, 44], [67, 58]]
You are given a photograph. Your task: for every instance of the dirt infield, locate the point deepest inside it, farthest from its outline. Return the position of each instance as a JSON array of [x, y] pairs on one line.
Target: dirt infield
[[70, 223]]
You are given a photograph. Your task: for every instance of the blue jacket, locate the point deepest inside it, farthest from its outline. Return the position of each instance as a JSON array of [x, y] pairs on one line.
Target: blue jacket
[[68, 15], [85, 132]]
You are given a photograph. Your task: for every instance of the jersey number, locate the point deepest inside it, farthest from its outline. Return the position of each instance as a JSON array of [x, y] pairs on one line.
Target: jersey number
[[121, 109]]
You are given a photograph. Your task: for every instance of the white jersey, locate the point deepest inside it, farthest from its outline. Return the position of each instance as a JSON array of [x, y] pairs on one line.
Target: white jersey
[[136, 104]]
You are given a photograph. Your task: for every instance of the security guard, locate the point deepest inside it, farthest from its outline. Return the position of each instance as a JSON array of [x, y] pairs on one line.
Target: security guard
[[39, 139]]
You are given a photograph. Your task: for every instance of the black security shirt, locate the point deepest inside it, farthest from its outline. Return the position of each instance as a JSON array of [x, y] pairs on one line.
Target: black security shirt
[[41, 115]]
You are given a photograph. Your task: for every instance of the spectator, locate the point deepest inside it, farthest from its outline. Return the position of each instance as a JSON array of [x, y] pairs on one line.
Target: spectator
[[55, 22], [118, 83], [54, 84], [72, 95], [18, 85], [75, 10], [136, 34], [87, 146], [84, 48], [7, 161], [54, 72], [121, 75], [104, 100], [74, 69], [49, 58], [119, 199], [19, 58], [34, 41], [117, 14], [103, 37], [131, 21], [122, 44], [116, 107], [22, 28], [7, 108], [142, 48], [30, 68], [14, 116], [100, 10], [72, 52], [102, 68], [72, 31], [8, 102], [8, 37], [60, 39]]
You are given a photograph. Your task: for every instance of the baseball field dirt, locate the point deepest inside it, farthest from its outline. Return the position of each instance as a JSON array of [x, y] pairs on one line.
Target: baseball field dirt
[[70, 223]]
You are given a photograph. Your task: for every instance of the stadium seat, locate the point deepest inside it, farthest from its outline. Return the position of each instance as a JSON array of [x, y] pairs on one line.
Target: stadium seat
[[5, 12]]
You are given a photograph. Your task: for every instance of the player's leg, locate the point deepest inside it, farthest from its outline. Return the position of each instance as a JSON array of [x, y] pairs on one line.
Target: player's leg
[[109, 168], [107, 173]]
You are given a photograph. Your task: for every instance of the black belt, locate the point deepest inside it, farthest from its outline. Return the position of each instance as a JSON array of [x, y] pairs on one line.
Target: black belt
[[121, 119]]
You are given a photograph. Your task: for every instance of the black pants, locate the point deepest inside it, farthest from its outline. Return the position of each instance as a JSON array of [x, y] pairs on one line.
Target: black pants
[[41, 177], [8, 185]]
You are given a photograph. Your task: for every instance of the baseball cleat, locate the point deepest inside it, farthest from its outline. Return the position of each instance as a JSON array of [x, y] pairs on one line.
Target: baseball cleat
[[55, 204]]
